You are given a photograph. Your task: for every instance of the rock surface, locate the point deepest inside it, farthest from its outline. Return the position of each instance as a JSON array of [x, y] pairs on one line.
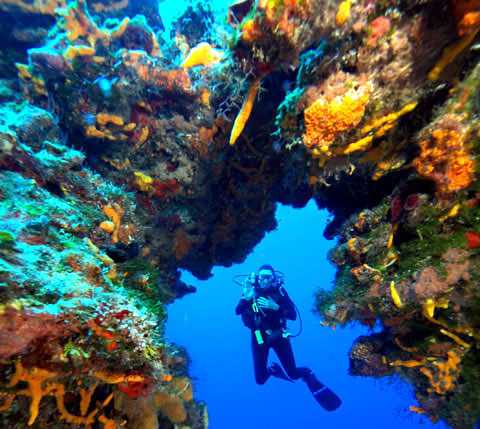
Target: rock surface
[[126, 155]]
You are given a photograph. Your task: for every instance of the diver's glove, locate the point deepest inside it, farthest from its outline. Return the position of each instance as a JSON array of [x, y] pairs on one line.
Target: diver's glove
[[268, 303]]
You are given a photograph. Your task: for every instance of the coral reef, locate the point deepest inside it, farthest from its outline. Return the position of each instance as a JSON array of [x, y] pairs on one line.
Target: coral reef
[[444, 157], [412, 265], [116, 124], [70, 314], [125, 156]]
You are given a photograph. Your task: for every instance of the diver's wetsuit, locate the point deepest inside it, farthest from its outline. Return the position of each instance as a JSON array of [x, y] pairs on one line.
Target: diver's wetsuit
[[271, 325]]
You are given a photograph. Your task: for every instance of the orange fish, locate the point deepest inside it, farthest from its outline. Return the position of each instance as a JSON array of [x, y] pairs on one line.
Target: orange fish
[[111, 346], [167, 377]]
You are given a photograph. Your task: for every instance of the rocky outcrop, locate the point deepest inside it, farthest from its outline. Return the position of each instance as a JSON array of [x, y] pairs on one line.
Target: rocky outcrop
[[126, 157]]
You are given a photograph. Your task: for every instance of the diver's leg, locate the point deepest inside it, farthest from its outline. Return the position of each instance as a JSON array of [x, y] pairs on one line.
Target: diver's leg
[[277, 371], [322, 394], [284, 351], [260, 358]]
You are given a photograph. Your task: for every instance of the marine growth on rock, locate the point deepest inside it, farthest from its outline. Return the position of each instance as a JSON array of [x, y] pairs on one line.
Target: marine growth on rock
[[127, 154]]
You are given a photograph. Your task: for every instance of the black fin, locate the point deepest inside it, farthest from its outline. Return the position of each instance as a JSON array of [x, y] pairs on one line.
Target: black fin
[[326, 397]]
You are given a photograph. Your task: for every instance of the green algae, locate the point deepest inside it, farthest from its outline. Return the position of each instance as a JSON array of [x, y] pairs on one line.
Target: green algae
[[347, 290], [286, 116], [142, 283], [431, 244], [7, 239], [74, 351]]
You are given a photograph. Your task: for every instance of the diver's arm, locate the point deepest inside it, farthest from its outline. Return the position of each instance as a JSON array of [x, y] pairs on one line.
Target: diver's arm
[[248, 293], [242, 305], [287, 307]]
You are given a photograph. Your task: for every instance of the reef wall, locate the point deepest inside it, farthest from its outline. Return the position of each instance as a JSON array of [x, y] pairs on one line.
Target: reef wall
[[126, 155], [382, 105]]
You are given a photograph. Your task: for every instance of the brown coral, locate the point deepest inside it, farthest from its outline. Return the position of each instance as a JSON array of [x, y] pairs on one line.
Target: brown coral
[[457, 265], [182, 243], [366, 274], [19, 331], [171, 406], [146, 68], [429, 284], [284, 16]]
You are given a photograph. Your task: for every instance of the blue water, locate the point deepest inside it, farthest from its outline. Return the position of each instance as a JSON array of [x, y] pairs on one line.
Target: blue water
[[170, 10], [218, 343]]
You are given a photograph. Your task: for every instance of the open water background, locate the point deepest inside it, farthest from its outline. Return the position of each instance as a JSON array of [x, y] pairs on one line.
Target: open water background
[[218, 343]]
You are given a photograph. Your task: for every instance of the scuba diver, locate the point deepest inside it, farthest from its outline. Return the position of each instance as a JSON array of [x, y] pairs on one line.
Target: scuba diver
[[265, 307]]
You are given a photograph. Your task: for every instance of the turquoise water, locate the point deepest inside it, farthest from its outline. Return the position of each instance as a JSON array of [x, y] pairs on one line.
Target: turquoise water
[[171, 9], [218, 343]]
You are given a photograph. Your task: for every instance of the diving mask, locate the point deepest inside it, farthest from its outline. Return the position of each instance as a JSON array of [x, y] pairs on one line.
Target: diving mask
[[266, 279]]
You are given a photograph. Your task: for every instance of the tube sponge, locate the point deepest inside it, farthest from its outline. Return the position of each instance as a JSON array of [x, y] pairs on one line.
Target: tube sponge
[[245, 111]]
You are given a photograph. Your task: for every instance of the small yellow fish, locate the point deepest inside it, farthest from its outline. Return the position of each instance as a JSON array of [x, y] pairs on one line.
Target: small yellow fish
[[343, 13], [395, 296], [429, 307], [452, 213], [390, 241], [415, 409]]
